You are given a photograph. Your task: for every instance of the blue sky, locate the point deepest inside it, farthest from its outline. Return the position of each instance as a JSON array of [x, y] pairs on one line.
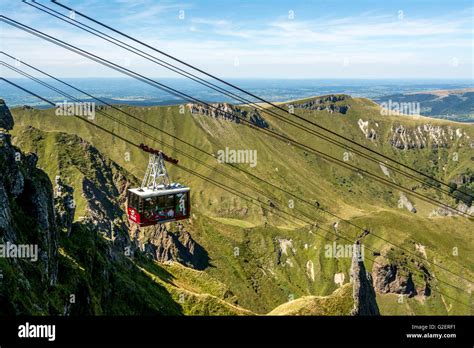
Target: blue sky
[[261, 39]]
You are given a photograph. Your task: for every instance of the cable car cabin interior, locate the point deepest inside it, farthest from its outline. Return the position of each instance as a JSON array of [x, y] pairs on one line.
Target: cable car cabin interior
[[148, 207]]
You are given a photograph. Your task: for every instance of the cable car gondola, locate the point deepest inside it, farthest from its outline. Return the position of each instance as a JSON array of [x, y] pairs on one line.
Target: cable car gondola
[[157, 200]]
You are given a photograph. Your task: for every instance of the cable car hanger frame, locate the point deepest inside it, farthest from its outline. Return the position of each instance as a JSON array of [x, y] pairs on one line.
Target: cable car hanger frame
[[158, 200]]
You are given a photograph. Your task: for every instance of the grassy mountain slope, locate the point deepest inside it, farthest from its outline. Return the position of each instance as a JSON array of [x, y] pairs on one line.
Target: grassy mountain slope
[[94, 269], [338, 303], [265, 259]]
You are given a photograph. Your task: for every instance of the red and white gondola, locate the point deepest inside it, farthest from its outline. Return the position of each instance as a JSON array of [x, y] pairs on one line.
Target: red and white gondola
[[157, 200]]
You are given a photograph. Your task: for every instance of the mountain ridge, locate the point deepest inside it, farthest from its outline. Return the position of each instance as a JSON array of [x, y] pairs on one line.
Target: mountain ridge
[[259, 279]]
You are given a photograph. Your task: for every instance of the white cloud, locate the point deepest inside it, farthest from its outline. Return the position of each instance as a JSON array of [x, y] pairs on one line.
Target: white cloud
[[367, 42]]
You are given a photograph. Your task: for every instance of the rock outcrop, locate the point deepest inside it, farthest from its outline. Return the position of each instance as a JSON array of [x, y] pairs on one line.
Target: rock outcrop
[[326, 103], [404, 202], [64, 203], [419, 137], [464, 178], [164, 245], [363, 291], [86, 265], [27, 215], [229, 112], [387, 279], [369, 132], [392, 277], [6, 119], [102, 185], [461, 209]]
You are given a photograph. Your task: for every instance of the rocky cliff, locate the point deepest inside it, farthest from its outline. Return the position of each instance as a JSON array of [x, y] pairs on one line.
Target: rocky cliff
[[329, 103], [391, 275], [362, 288], [91, 188], [6, 119], [244, 248], [27, 223], [165, 245], [87, 262], [229, 112], [419, 137]]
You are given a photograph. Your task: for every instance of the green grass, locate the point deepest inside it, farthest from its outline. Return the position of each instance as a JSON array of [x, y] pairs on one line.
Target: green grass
[[222, 222], [338, 303], [235, 222]]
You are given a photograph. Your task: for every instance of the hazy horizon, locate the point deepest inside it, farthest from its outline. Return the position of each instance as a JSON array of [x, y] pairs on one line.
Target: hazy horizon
[[126, 90]]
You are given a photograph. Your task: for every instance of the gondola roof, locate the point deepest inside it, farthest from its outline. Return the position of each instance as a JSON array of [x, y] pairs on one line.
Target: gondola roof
[[159, 191]]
